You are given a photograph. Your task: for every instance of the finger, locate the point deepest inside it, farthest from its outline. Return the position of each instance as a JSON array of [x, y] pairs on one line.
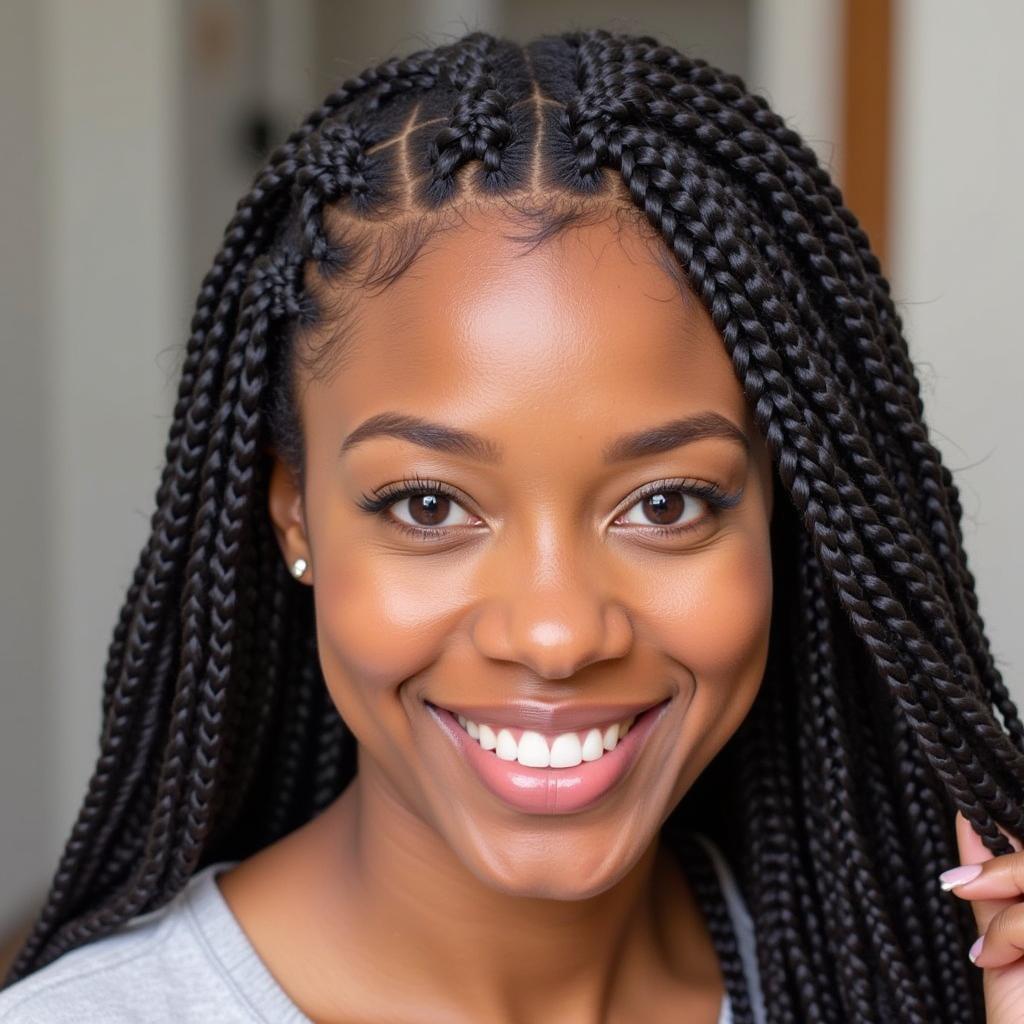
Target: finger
[[997, 878], [1004, 938], [972, 850]]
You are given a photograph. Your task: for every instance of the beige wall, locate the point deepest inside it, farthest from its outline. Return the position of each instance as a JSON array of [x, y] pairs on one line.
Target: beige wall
[[958, 224]]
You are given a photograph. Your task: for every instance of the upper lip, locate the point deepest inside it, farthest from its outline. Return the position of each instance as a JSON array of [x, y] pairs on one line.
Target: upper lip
[[550, 718]]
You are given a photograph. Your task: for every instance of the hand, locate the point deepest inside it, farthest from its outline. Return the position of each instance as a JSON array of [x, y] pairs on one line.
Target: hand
[[997, 899]]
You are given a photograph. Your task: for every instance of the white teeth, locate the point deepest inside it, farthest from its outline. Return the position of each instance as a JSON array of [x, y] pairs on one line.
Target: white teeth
[[487, 738], [506, 746], [611, 736], [532, 751], [566, 751], [592, 745]]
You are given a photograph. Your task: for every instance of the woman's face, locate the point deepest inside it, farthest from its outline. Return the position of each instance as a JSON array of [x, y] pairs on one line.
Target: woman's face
[[564, 577]]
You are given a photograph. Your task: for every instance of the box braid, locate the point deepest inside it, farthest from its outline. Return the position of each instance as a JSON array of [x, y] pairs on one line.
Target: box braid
[[877, 717]]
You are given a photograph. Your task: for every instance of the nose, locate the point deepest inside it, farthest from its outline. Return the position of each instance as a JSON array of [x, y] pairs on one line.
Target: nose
[[555, 619]]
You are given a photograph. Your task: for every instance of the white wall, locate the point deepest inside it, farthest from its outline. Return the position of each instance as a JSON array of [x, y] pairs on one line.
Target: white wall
[[240, 61], [89, 328], [956, 267], [795, 63], [957, 221], [117, 319], [26, 496]]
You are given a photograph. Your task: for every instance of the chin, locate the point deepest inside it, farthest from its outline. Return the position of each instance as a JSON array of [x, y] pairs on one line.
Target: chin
[[546, 865]]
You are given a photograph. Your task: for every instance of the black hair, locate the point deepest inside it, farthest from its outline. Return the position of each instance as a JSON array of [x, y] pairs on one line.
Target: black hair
[[881, 711]]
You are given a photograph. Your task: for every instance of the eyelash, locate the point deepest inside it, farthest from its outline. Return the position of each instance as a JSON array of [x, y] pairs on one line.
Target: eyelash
[[377, 502]]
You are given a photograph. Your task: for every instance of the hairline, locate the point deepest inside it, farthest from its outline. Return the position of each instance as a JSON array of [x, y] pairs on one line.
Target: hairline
[[548, 214]]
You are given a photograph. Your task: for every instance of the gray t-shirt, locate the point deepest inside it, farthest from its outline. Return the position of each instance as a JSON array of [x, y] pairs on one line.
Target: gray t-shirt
[[189, 961]]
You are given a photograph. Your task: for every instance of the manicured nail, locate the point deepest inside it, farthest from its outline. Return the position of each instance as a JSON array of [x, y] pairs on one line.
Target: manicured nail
[[960, 875], [975, 950]]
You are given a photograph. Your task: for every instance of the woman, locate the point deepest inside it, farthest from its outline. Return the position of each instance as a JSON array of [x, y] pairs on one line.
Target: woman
[[554, 607]]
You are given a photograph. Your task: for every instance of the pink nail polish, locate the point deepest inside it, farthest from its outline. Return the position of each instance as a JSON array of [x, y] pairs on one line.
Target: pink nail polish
[[975, 950], [958, 876]]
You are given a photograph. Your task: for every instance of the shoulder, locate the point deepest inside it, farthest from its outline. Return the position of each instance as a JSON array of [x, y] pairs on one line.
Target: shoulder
[[155, 967]]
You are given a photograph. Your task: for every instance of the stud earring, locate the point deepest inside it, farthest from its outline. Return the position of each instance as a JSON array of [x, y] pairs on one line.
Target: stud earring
[[299, 566]]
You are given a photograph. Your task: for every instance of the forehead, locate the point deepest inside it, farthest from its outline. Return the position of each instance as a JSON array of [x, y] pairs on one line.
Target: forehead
[[586, 325]]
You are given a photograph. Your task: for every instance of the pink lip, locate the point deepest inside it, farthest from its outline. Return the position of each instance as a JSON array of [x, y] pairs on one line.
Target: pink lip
[[549, 718], [551, 790]]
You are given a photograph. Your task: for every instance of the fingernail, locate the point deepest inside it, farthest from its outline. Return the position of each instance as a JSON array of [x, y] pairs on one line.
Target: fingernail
[[960, 875], [975, 950]]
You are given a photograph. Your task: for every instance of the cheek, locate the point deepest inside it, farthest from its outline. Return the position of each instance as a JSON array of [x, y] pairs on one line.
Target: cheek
[[380, 618], [717, 624], [383, 618]]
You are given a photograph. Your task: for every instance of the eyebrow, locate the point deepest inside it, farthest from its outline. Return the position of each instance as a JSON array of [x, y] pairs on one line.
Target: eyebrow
[[455, 441]]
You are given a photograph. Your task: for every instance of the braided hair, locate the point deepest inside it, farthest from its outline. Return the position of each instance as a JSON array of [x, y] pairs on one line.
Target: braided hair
[[881, 711]]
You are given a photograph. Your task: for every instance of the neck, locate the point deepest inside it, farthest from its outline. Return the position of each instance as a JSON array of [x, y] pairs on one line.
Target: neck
[[400, 910]]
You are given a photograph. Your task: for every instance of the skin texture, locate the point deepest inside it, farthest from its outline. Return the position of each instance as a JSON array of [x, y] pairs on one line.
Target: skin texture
[[418, 895]]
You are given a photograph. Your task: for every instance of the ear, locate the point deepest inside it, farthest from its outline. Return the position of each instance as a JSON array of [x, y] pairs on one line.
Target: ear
[[288, 516]]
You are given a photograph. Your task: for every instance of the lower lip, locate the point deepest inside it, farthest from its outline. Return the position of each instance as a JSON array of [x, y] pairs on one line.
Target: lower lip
[[552, 790]]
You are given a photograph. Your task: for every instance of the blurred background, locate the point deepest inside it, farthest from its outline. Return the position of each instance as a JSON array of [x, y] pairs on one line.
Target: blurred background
[[132, 127]]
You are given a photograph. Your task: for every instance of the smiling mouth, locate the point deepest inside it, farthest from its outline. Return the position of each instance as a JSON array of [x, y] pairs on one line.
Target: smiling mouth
[[550, 773], [534, 749]]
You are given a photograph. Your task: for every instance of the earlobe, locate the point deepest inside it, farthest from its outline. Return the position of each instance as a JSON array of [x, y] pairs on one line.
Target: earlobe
[[284, 502]]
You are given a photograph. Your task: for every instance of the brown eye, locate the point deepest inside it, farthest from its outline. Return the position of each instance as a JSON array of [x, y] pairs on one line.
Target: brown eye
[[664, 508], [428, 509]]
